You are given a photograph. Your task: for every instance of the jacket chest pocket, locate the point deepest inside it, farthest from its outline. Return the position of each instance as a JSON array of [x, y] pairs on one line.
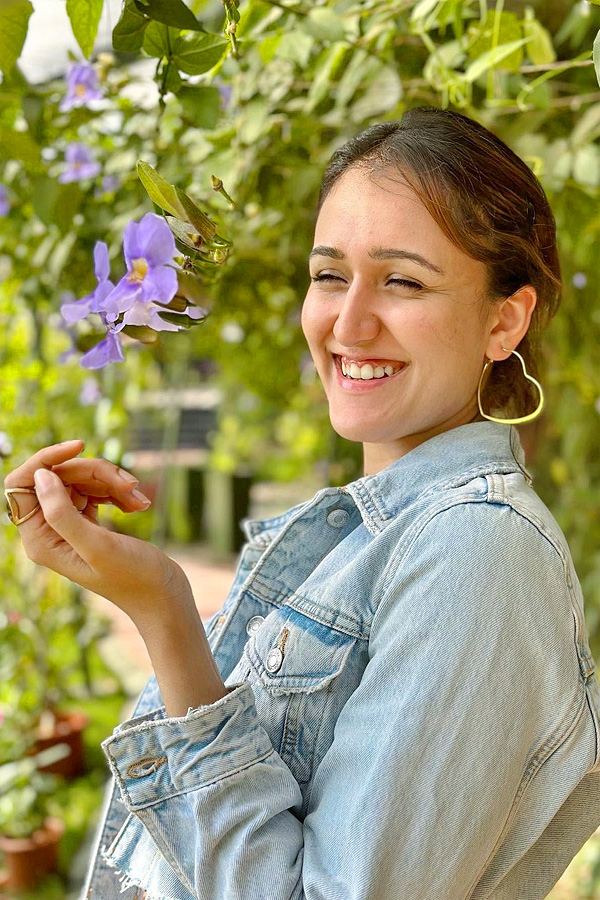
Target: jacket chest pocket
[[302, 673]]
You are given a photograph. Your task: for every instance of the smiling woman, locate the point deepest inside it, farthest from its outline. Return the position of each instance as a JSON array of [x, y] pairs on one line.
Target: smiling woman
[[398, 698]]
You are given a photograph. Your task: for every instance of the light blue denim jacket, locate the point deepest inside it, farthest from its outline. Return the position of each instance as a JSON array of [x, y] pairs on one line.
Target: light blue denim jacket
[[414, 711]]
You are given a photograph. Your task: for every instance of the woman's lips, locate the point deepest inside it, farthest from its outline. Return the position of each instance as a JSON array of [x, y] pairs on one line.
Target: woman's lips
[[358, 386]]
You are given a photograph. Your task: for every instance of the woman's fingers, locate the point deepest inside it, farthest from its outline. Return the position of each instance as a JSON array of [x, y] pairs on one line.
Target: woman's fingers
[[77, 531], [103, 480], [45, 458]]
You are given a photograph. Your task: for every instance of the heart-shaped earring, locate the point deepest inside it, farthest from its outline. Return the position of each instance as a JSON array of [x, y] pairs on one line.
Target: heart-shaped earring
[[521, 419]]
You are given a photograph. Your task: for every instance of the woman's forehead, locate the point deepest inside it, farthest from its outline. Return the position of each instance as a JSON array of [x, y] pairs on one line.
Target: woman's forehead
[[377, 210]]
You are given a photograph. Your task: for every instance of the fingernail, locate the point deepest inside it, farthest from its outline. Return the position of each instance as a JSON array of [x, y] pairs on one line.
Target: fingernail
[[142, 498], [43, 480], [128, 477]]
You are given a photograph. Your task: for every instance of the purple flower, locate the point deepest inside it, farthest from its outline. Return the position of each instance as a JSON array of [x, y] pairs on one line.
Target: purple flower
[[4, 203], [90, 392], [75, 310], [226, 92], [107, 351], [149, 250], [579, 279], [82, 86], [109, 184], [80, 164]]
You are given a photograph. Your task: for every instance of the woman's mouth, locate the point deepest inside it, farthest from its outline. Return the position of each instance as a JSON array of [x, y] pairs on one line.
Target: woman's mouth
[[362, 375]]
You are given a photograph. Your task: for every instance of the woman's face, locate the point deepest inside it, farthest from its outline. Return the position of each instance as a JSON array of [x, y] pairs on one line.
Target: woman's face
[[388, 289]]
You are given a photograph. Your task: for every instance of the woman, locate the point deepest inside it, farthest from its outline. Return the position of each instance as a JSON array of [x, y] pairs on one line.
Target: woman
[[398, 699]]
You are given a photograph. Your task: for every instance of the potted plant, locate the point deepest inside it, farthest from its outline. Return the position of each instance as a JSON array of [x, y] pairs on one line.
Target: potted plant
[[30, 827], [42, 664]]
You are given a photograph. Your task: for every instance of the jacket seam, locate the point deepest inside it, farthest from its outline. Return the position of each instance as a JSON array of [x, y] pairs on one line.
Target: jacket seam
[[549, 746]]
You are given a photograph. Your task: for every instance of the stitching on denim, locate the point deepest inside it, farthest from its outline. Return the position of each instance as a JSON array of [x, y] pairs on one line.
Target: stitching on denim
[[526, 780], [323, 615]]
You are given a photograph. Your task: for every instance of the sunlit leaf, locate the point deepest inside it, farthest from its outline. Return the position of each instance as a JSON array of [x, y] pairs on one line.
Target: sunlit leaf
[[128, 33], [198, 53], [170, 12], [14, 19], [85, 18], [491, 59]]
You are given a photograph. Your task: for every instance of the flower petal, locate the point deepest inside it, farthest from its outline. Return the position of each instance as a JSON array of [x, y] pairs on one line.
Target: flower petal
[[156, 240], [101, 261], [107, 351], [131, 244], [120, 299], [160, 284], [78, 309]]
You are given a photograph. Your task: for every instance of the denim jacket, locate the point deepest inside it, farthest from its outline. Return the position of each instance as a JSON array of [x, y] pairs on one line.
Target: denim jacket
[[413, 713]]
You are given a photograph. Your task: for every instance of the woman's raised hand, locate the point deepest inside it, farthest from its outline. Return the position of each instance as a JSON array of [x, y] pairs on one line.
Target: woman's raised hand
[[64, 534]]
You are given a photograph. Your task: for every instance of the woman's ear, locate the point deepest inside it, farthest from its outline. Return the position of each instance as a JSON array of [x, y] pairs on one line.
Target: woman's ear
[[510, 322]]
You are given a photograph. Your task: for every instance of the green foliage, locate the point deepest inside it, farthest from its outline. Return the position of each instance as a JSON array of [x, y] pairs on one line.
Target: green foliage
[[84, 16], [14, 18]]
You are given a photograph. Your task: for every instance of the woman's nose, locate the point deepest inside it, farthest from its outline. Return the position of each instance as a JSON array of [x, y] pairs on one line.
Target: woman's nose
[[356, 320]]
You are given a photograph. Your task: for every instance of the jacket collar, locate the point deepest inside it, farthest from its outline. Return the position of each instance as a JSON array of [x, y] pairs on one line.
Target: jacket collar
[[446, 460]]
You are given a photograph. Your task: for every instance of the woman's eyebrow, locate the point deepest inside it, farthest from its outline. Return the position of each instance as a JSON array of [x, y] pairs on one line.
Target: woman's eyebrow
[[380, 253]]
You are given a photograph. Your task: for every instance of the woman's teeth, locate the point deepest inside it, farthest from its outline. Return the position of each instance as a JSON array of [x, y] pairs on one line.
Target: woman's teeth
[[367, 371]]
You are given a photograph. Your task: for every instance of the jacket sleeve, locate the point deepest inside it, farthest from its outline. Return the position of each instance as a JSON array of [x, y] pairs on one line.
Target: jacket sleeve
[[471, 678]]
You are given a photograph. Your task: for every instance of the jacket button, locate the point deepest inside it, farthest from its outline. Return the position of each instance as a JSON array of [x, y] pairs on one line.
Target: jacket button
[[254, 624], [274, 660], [338, 518]]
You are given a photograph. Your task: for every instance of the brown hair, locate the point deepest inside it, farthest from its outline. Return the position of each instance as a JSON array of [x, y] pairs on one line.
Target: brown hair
[[489, 203]]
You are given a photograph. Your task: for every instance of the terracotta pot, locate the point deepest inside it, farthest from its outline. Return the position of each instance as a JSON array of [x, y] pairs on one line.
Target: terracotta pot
[[68, 729], [28, 860]]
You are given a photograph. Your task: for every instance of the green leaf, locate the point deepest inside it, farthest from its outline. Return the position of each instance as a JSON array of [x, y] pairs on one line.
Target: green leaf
[[491, 59], [178, 319], [85, 18], [184, 232], [323, 24], [296, 47], [128, 33], [160, 191], [56, 203], [496, 29], [141, 333], [156, 40], [597, 57], [170, 12], [172, 80], [539, 43], [201, 104], [332, 60], [174, 201], [14, 19], [198, 53], [268, 47], [18, 145], [382, 95], [195, 217]]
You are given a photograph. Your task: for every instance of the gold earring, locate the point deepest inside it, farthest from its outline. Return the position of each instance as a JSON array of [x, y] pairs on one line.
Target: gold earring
[[521, 419]]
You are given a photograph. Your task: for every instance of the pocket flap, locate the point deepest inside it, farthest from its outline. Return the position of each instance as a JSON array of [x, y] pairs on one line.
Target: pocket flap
[[293, 653]]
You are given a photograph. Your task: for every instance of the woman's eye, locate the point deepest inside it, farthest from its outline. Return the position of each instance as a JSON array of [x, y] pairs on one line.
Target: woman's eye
[[404, 282], [325, 276]]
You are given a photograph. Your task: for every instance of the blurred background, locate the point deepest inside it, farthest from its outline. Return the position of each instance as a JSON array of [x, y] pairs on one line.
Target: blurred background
[[228, 419]]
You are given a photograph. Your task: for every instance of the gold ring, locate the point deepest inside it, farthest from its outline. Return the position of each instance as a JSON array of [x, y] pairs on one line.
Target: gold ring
[[12, 508]]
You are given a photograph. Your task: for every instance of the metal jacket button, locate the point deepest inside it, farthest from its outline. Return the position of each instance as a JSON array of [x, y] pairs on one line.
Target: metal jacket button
[[274, 660], [338, 518], [254, 624]]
